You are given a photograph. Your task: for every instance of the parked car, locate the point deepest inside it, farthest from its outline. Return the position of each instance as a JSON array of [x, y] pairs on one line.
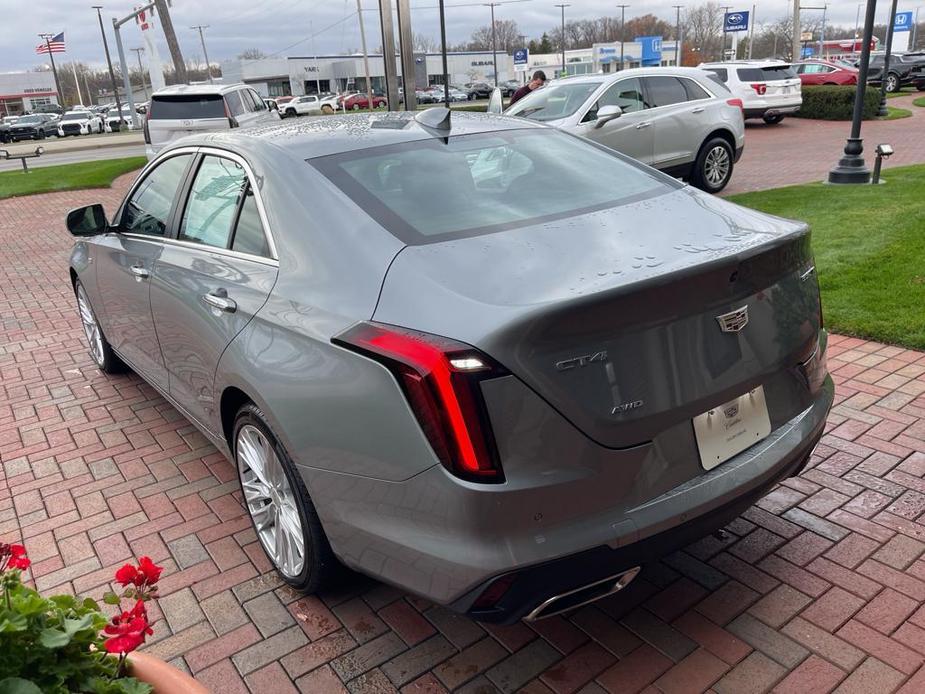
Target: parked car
[[361, 101], [330, 103], [425, 97], [904, 71], [679, 120], [56, 109], [768, 89], [82, 122], [479, 90], [816, 72], [280, 100], [6, 132], [271, 104], [508, 87], [307, 105], [116, 121], [459, 438], [37, 126], [183, 109]]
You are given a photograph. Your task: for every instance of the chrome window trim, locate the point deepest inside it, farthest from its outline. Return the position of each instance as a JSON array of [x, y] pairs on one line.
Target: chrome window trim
[[271, 262], [251, 178]]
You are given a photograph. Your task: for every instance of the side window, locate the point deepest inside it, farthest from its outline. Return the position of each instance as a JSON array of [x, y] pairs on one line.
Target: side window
[[694, 91], [257, 102], [664, 91], [235, 105], [720, 72], [249, 236], [213, 202], [147, 211], [627, 94]]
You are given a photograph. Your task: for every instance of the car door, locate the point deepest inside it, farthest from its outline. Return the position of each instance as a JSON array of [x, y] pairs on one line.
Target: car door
[[125, 263], [678, 124], [211, 280], [631, 133]]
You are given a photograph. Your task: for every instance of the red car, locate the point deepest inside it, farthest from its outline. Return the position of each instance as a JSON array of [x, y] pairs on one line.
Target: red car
[[357, 101], [814, 72]]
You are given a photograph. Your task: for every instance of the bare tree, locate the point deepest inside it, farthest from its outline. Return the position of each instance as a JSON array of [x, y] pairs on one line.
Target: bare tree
[[507, 36], [702, 27], [251, 54]]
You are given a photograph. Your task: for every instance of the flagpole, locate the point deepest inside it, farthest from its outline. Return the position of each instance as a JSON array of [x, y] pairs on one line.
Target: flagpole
[[80, 98], [53, 68]]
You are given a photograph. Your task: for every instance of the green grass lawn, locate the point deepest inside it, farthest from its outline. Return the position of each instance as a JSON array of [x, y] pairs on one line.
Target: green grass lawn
[[893, 113], [869, 243], [91, 174], [919, 102]]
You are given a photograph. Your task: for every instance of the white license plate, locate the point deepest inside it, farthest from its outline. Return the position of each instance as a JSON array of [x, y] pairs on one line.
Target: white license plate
[[729, 429]]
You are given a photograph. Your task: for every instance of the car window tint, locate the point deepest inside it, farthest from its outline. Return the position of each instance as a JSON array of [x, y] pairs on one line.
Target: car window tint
[[770, 73], [168, 107], [664, 91], [235, 105], [694, 91], [249, 236], [146, 212], [720, 72], [213, 202], [554, 101], [256, 101]]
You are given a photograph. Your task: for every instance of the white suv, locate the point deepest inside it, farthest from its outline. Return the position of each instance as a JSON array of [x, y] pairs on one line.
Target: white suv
[[769, 89], [308, 105], [187, 108]]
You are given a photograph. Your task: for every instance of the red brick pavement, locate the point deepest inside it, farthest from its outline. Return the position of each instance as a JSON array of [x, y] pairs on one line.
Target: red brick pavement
[[802, 151], [820, 585]]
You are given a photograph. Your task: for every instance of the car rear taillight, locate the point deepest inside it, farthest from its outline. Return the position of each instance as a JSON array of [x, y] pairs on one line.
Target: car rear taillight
[[232, 123], [441, 380], [760, 89], [736, 102]]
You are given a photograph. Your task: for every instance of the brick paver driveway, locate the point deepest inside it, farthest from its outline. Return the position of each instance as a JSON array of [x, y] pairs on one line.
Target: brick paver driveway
[[822, 584], [801, 151]]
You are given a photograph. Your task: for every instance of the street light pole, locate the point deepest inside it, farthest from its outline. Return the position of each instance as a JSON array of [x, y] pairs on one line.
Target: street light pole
[[622, 29], [112, 74], [677, 35], [205, 54], [369, 89], [795, 53], [141, 71], [446, 70], [722, 53], [884, 76], [851, 167], [562, 37], [494, 48]]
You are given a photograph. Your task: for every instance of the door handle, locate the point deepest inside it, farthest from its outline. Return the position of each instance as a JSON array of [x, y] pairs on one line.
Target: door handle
[[219, 299], [699, 109], [644, 124], [140, 272]]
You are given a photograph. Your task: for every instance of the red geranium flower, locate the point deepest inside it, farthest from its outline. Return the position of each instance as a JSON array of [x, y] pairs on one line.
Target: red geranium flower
[[145, 574], [149, 570], [127, 630], [126, 575], [18, 558]]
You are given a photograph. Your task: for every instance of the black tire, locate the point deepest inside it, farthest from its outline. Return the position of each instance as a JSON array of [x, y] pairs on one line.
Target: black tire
[[892, 83], [107, 360], [290, 112], [321, 566], [773, 120], [708, 159], [41, 134]]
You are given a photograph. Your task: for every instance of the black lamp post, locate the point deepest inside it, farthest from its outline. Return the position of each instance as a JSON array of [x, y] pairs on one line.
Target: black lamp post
[[883, 110], [851, 167]]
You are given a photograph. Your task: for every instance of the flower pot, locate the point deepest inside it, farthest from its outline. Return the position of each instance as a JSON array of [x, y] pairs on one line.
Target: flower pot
[[165, 678]]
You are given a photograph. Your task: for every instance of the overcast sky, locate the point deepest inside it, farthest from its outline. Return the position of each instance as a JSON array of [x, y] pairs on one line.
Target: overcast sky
[[275, 25]]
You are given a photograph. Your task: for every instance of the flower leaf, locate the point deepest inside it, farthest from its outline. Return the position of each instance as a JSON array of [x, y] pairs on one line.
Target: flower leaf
[[111, 598], [53, 638], [17, 685]]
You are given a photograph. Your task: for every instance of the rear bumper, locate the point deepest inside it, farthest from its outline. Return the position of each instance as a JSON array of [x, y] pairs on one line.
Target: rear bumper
[[772, 110]]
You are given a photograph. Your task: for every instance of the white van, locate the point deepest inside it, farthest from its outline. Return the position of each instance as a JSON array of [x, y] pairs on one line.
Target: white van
[[187, 108]]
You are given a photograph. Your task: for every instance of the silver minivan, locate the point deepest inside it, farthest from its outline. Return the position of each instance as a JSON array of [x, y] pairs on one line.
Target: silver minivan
[[683, 121], [184, 109]]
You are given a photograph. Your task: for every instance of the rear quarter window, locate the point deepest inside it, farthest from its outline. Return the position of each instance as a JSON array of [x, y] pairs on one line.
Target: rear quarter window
[[186, 107], [720, 73]]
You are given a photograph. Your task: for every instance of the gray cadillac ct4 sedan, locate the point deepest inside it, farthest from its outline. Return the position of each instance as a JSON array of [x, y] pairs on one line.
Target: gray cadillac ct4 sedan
[[476, 357]]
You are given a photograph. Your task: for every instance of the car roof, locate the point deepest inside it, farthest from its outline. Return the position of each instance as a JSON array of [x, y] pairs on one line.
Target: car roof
[[632, 72], [196, 89], [747, 63], [322, 136]]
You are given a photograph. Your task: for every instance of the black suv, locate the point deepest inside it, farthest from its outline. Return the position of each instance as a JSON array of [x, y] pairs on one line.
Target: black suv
[[479, 90], [905, 70], [38, 126]]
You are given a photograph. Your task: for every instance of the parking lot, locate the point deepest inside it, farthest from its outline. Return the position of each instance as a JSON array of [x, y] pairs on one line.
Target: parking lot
[[817, 585]]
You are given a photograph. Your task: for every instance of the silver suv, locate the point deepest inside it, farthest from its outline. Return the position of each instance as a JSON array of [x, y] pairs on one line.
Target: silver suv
[[682, 121], [191, 108]]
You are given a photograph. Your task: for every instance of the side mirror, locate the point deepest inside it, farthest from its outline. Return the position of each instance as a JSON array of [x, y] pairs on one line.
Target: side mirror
[[494, 103], [605, 114], [87, 221]]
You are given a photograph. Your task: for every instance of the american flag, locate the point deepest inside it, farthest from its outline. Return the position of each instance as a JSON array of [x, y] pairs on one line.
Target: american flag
[[56, 44]]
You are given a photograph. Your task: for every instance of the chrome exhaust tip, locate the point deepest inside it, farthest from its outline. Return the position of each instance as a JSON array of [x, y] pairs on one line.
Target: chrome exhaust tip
[[591, 592]]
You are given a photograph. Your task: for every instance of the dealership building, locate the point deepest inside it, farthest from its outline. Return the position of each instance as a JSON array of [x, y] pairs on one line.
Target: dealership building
[[22, 92], [295, 76]]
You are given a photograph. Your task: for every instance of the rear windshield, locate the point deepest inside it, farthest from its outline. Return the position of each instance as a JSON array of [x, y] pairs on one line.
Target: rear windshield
[[771, 73], [187, 107], [428, 191], [553, 102]]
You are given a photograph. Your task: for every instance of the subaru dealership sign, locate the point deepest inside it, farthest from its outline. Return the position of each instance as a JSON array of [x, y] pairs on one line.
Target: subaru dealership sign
[[735, 21]]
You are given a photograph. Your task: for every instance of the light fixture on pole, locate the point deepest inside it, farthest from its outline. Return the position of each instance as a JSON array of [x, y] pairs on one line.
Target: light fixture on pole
[[112, 73], [677, 35], [141, 71], [885, 75], [494, 46], [562, 38], [851, 167], [205, 54], [622, 28]]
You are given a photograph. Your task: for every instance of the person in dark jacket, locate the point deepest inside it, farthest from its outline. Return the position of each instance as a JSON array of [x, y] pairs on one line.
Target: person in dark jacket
[[537, 81]]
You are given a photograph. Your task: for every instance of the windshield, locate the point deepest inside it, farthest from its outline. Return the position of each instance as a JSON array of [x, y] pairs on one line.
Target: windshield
[[75, 116], [430, 191], [554, 101], [771, 73]]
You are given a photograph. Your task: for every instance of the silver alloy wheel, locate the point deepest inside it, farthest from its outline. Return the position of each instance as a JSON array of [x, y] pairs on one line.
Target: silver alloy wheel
[[91, 327], [716, 165], [892, 83], [270, 501]]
